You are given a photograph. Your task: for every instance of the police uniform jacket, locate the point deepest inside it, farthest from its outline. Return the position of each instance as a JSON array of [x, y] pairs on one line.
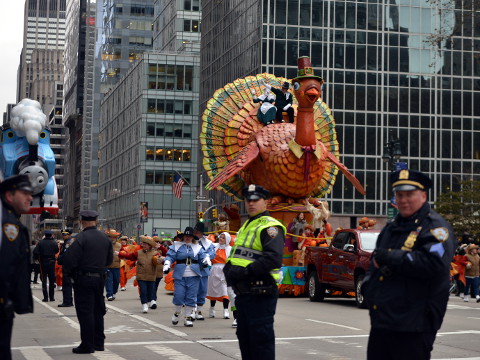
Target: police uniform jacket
[[46, 250], [272, 239], [91, 252], [15, 263], [209, 249], [282, 99], [181, 252], [66, 244], [409, 292], [116, 260]]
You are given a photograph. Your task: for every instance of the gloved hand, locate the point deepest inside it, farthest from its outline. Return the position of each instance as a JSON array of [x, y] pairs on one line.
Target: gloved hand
[[380, 256], [206, 261], [166, 267], [286, 107]]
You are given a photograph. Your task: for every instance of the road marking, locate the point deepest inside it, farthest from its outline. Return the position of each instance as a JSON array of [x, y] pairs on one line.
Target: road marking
[[148, 321], [107, 355], [461, 307], [470, 317], [124, 328], [171, 353], [70, 322], [35, 354], [329, 323]]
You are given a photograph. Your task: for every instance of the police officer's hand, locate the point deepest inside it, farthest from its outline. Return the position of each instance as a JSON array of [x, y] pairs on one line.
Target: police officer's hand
[[380, 256], [6, 310]]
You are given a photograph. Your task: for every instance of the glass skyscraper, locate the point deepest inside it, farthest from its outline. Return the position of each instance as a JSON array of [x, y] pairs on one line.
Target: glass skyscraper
[[407, 69]]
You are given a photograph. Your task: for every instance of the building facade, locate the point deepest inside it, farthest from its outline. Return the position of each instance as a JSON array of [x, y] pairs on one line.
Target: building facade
[[148, 124], [405, 70]]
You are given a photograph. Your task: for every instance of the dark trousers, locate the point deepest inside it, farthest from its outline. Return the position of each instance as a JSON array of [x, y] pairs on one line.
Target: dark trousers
[[6, 327], [90, 308], [396, 345], [147, 291], [157, 282], [255, 333], [112, 282], [36, 271], [67, 289], [289, 111], [47, 272]]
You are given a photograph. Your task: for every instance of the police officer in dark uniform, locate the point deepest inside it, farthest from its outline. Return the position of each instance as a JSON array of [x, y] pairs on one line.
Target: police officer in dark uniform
[[15, 292], [66, 280], [86, 261], [407, 284], [253, 271], [45, 252]]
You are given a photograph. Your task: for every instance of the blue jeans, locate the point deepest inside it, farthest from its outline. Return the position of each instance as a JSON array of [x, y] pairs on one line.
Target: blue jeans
[[112, 281], [147, 291], [474, 283], [185, 292]]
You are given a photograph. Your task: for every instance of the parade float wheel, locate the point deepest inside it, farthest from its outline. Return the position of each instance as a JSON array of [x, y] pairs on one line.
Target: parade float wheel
[[316, 290]]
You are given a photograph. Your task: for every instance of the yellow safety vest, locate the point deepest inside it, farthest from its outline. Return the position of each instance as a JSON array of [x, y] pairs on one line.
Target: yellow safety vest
[[248, 246]]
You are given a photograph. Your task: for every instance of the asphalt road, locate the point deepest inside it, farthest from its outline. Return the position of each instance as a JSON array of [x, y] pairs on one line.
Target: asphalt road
[[334, 329]]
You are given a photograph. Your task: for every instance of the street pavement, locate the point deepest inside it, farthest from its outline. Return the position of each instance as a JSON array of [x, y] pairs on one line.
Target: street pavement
[[334, 329]]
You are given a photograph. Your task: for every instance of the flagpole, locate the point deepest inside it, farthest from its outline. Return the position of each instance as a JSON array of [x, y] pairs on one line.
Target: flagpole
[[182, 177]]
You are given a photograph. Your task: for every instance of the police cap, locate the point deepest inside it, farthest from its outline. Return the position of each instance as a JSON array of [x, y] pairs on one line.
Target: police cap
[[255, 192], [88, 215], [200, 227], [16, 182], [48, 233], [409, 180], [67, 232]]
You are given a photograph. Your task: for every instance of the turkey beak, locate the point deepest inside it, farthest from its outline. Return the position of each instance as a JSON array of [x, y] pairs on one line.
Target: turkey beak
[[312, 94]]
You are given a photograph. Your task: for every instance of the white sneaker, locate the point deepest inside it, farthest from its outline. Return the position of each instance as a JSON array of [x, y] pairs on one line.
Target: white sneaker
[[175, 318], [211, 312], [234, 324], [226, 314], [199, 316], [465, 299], [153, 304], [59, 288], [123, 289], [145, 308], [188, 321]]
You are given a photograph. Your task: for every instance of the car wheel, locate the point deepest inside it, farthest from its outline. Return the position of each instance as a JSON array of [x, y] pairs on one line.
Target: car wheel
[[358, 293], [316, 290]]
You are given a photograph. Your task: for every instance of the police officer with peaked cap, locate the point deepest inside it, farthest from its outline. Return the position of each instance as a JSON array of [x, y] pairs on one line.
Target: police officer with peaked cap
[[67, 287], [86, 261], [253, 271], [45, 252], [15, 292], [407, 284]]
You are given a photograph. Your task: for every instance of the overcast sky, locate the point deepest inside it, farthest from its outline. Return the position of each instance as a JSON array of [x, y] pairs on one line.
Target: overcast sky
[[11, 38]]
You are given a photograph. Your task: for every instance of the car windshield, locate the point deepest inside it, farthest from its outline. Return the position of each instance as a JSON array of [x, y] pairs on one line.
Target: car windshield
[[368, 240]]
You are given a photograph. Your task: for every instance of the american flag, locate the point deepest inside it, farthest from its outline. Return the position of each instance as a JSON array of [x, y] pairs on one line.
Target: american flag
[[177, 186]]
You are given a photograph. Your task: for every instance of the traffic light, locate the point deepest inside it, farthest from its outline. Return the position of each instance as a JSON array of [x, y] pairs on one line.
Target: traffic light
[[200, 216], [214, 213]]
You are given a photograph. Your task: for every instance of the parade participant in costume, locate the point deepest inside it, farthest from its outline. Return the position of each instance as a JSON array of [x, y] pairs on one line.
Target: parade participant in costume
[[67, 281], [283, 101], [15, 292], [234, 219], [124, 267], [209, 249], [189, 258], [297, 226], [113, 270], [45, 252], [220, 225], [407, 284], [162, 253], [319, 211], [85, 261], [267, 112], [217, 285], [472, 272], [253, 271], [146, 263], [460, 261]]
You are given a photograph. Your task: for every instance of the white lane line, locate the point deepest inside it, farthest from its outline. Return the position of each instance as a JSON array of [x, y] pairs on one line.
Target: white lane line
[[35, 354], [106, 344], [148, 321], [459, 332], [461, 307], [70, 322], [107, 355], [474, 358], [171, 353], [470, 317], [329, 323]]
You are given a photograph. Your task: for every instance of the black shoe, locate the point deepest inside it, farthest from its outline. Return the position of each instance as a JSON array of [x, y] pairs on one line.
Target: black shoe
[[52, 299], [99, 348], [64, 305], [45, 300], [79, 350]]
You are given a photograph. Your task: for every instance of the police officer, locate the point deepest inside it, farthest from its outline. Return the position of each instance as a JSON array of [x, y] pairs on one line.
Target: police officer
[[67, 281], [15, 293], [45, 252], [253, 271], [407, 284], [86, 260]]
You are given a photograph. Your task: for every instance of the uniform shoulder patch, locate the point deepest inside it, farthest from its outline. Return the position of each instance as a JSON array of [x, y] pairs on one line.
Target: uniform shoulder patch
[[440, 233], [11, 231], [272, 231]]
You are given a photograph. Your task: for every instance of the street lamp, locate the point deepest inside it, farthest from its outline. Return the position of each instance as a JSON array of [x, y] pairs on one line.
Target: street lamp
[[392, 152]]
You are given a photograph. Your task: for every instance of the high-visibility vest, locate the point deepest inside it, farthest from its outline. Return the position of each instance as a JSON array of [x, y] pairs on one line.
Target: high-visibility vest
[[248, 246]]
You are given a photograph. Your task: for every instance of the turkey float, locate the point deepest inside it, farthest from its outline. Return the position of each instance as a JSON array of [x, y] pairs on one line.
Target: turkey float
[[293, 161]]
